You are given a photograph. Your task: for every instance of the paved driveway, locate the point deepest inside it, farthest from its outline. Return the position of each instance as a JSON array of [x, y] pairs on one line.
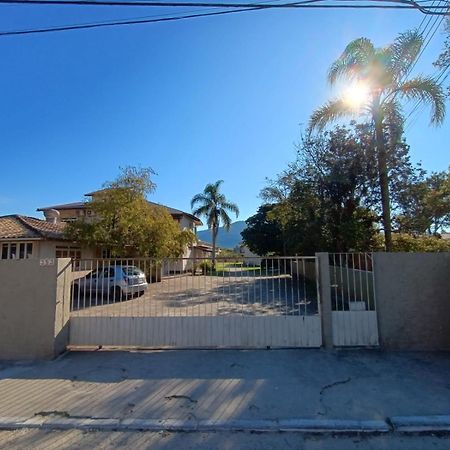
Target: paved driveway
[[203, 295]]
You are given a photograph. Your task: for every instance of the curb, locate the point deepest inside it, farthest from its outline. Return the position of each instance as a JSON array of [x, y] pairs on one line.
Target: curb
[[400, 424], [420, 424], [292, 425]]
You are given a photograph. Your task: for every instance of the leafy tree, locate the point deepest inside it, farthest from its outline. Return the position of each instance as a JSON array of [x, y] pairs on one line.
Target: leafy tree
[[426, 205], [322, 201], [125, 223], [213, 205], [383, 71], [404, 242], [264, 234]]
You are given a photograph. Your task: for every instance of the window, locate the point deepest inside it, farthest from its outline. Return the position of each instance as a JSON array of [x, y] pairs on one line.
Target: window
[[106, 253], [16, 250], [68, 252]]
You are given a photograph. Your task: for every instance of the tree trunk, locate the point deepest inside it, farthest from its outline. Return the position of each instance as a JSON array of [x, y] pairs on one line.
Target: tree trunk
[[214, 237], [384, 181]]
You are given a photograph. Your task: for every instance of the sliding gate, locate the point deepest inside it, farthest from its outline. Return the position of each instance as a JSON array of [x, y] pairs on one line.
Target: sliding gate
[[188, 303]]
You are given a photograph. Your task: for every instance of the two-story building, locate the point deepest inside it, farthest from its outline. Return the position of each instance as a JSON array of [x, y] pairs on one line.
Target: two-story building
[[26, 237]]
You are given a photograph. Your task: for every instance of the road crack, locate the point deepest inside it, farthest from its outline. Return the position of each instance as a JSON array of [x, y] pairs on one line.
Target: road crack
[[180, 397], [324, 389]]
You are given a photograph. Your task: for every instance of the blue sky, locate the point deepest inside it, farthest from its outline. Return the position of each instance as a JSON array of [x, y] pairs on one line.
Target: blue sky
[[200, 100]]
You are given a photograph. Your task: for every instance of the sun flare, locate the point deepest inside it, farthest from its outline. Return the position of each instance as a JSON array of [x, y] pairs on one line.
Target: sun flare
[[357, 94]]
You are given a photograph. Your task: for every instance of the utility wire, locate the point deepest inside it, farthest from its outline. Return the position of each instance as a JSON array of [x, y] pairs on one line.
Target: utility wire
[[408, 4], [233, 8], [419, 107]]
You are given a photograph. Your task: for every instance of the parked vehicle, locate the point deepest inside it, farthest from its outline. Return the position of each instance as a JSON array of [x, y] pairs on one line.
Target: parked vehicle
[[115, 282]]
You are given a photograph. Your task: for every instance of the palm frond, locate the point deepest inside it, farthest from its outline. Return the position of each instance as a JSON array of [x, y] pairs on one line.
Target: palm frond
[[426, 90], [201, 211], [403, 52], [199, 198], [230, 206], [353, 60], [330, 112], [212, 218], [212, 190], [226, 219], [393, 118], [392, 111]]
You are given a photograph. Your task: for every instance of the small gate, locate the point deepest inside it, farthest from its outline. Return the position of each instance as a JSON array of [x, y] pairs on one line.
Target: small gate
[[352, 284], [188, 303]]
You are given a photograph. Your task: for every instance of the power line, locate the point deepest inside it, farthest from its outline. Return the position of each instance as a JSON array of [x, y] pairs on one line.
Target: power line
[[233, 8], [419, 107], [407, 4]]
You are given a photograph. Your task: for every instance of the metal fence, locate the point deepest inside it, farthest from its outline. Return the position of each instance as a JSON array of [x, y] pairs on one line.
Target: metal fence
[[193, 287], [352, 284]]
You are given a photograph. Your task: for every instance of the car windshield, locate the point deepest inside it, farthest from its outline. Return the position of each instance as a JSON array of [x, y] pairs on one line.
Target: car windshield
[[132, 271]]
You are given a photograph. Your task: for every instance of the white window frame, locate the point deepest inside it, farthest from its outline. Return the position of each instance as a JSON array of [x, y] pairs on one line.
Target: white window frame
[[17, 245]]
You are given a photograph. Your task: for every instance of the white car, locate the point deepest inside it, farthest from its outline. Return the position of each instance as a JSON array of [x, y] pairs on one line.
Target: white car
[[114, 282]]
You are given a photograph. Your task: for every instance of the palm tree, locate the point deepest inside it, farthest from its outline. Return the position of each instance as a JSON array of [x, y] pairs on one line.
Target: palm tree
[[213, 205], [383, 72]]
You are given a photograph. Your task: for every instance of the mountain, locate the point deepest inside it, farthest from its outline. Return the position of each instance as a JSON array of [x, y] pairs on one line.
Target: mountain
[[225, 239]]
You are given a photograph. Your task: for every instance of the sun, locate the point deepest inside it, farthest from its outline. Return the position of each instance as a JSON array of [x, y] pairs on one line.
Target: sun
[[357, 94]]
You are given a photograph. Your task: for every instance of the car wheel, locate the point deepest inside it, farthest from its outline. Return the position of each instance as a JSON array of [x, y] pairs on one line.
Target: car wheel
[[116, 294]]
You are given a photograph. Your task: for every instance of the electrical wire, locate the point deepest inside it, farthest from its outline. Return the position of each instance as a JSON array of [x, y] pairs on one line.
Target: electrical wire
[[233, 8]]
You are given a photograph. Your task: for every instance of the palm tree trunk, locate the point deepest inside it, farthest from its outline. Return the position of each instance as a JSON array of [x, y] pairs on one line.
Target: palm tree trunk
[[384, 182], [214, 237]]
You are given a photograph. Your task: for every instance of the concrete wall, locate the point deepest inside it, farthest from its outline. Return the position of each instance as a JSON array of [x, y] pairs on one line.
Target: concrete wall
[[47, 249], [34, 308], [413, 300]]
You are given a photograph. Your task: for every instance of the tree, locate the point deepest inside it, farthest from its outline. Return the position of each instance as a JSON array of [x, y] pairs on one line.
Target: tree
[[322, 201], [124, 222], [425, 205], [213, 205], [264, 235], [382, 73]]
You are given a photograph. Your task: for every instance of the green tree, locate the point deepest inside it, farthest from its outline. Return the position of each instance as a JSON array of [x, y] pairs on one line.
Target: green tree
[[425, 205], [322, 201], [124, 222], [213, 205], [404, 242], [264, 234], [384, 72]]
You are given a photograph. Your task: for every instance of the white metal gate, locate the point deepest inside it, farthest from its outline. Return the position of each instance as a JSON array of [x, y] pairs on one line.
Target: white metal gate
[[186, 303], [354, 315]]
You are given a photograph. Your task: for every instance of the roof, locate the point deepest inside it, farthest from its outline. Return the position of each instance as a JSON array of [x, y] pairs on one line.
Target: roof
[[178, 212], [75, 205], [24, 227], [203, 245], [81, 205]]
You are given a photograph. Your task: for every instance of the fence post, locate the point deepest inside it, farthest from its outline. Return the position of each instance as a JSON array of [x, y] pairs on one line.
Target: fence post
[[325, 299]]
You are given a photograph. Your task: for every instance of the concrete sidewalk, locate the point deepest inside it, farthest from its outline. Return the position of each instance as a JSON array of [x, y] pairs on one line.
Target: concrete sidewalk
[[228, 385]]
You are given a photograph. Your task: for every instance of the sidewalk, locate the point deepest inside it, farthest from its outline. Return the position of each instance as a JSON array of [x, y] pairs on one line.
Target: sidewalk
[[228, 385]]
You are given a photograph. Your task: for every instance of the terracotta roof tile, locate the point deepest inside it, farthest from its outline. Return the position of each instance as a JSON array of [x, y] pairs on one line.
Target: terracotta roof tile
[[24, 227]]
